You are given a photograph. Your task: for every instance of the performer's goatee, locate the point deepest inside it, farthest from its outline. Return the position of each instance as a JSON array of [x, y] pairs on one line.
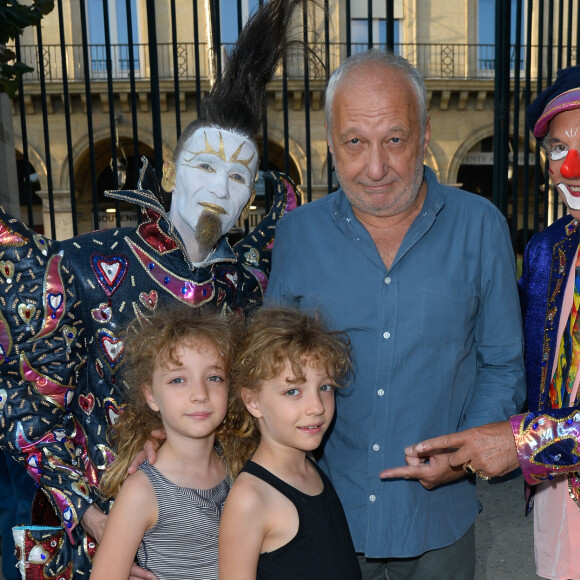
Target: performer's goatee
[[208, 230]]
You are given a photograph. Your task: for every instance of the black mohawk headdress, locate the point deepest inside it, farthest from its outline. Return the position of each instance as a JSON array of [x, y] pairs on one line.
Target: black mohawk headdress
[[236, 101]]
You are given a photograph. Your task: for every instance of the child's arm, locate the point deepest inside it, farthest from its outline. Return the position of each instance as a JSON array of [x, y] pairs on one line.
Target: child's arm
[[243, 527], [133, 513]]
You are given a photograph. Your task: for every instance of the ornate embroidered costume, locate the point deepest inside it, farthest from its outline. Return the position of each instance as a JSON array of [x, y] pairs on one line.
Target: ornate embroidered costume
[[547, 439], [63, 305]]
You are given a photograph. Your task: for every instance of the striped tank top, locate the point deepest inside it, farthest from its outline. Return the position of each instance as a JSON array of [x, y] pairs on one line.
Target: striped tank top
[[184, 541]]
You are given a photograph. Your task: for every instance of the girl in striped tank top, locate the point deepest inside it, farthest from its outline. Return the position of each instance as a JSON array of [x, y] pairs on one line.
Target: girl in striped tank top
[[176, 370]]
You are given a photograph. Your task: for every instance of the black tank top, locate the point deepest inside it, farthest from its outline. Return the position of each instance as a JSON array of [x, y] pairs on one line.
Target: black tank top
[[322, 548]]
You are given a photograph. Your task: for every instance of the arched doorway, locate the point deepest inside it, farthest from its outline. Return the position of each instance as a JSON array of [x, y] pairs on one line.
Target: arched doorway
[[109, 212]]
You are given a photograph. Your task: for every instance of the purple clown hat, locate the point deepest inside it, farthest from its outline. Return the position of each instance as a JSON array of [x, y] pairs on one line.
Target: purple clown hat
[[562, 95]]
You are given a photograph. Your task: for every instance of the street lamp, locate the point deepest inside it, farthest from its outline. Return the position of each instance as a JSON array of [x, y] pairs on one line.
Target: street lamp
[[121, 166], [121, 158]]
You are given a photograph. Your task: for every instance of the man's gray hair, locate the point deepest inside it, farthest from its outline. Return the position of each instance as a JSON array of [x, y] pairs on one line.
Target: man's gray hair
[[387, 59]]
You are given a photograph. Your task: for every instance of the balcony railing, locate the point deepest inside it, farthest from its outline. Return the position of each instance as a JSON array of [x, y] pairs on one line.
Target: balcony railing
[[435, 61]]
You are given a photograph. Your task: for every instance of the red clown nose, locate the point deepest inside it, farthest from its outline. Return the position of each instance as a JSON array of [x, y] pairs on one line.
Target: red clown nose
[[571, 167]]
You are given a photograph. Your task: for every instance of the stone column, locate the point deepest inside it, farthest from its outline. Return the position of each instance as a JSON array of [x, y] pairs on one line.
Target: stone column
[[9, 197], [63, 220]]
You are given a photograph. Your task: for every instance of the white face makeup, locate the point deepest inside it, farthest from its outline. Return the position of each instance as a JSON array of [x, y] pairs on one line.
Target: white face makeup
[[215, 173], [572, 202], [563, 146]]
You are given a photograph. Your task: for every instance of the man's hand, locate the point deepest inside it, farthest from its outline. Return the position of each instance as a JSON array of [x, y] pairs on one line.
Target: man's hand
[[430, 470], [149, 452], [138, 573], [93, 522], [491, 448]]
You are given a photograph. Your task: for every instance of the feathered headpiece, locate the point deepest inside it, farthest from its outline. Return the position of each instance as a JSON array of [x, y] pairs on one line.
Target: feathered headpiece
[[236, 101]]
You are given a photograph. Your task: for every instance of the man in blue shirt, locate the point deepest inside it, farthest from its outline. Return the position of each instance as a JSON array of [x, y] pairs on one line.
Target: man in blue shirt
[[422, 278]]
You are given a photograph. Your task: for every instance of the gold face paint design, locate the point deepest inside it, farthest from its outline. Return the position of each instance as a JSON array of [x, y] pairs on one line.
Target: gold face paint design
[[215, 175], [221, 152]]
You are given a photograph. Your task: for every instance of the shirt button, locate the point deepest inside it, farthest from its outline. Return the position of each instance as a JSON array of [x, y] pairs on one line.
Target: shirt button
[[386, 334], [376, 447], [387, 280], [372, 497], [380, 392]]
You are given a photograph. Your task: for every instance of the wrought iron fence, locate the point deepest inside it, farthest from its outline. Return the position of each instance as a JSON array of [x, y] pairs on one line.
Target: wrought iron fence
[[434, 60], [511, 68]]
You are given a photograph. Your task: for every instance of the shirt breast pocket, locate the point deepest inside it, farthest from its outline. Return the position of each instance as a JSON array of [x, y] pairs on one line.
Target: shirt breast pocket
[[448, 310]]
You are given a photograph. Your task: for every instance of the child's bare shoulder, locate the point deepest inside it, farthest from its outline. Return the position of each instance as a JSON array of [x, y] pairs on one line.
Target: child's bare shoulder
[[136, 502], [137, 488], [249, 493]]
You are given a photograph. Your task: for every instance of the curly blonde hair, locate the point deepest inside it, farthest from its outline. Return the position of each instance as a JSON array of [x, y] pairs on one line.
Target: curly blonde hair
[[150, 342], [272, 337]]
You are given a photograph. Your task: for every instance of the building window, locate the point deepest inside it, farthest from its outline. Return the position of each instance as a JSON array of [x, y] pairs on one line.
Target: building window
[[119, 37], [359, 34], [229, 17], [486, 35]]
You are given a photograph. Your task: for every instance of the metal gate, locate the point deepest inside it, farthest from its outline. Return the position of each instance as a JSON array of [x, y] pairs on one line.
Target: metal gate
[[80, 64]]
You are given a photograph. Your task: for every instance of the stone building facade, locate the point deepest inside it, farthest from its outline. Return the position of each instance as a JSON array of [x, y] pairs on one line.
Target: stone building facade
[[443, 39]]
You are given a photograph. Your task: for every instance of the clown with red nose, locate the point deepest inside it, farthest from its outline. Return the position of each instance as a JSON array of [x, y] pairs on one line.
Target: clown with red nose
[[554, 117]]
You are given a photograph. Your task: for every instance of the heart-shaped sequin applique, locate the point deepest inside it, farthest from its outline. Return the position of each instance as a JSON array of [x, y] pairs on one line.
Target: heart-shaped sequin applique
[[110, 271], [69, 333], [41, 243], [55, 300], [252, 256], [81, 488], [149, 300], [87, 403], [112, 411], [111, 346], [7, 270], [26, 312], [103, 313]]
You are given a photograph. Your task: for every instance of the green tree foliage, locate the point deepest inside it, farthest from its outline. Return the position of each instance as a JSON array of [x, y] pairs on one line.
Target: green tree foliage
[[14, 18]]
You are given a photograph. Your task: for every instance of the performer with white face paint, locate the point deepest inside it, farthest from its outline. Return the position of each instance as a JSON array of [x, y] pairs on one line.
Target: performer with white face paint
[[214, 176], [64, 304], [543, 441]]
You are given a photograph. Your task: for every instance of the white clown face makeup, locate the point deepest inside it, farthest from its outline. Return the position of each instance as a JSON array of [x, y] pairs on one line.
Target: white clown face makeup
[[563, 146], [214, 173]]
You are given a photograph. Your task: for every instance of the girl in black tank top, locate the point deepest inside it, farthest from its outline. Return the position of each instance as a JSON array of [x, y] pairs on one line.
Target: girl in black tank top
[[283, 518]]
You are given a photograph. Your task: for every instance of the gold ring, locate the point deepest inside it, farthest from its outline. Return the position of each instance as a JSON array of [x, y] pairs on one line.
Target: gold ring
[[480, 474], [469, 468]]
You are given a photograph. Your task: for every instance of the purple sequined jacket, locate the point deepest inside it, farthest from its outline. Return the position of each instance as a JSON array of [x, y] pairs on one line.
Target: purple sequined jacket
[[547, 439]]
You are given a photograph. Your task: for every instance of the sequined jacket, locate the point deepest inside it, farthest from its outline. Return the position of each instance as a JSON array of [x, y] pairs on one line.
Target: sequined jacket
[[62, 304], [547, 439]]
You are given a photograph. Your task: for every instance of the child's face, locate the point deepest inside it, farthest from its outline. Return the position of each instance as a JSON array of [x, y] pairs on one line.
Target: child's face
[[192, 398], [293, 414]]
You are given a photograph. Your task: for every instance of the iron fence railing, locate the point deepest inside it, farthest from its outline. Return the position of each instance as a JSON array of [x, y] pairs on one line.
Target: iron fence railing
[[511, 70], [435, 61]]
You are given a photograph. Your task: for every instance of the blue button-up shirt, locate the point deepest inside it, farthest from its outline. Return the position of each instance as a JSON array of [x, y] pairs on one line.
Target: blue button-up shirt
[[437, 346]]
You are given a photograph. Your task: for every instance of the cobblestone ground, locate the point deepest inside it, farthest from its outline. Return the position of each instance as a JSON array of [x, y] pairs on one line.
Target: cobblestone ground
[[503, 535]]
